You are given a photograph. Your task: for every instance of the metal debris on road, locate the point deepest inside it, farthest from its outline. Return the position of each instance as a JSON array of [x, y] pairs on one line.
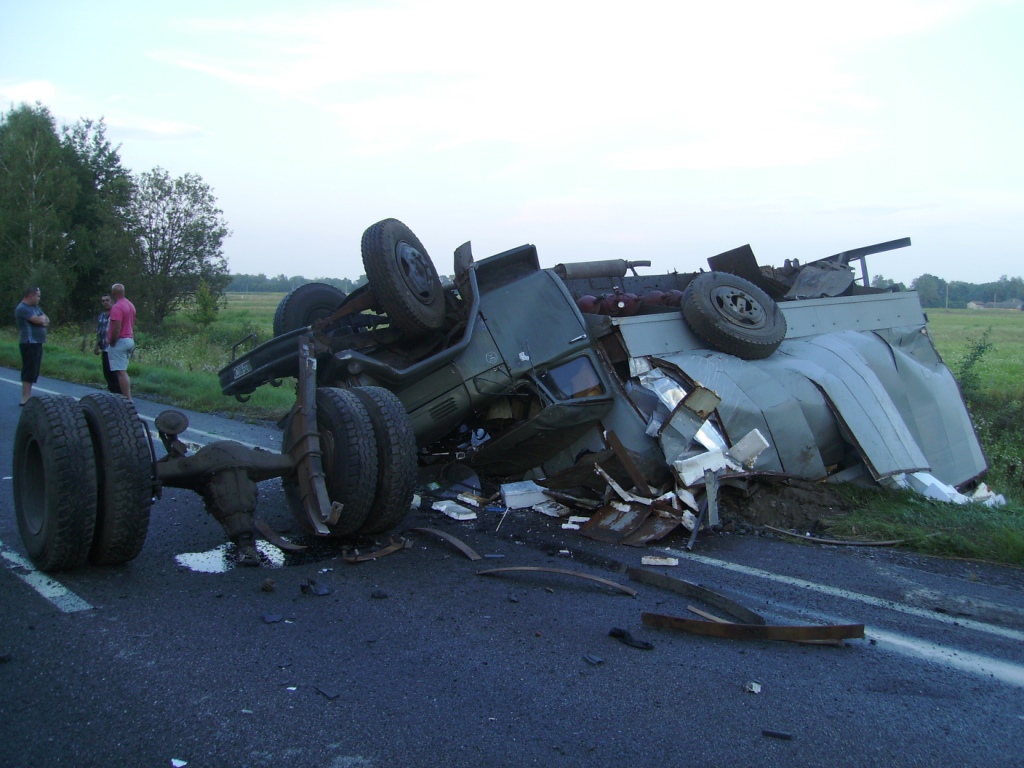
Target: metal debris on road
[[457, 543], [695, 592], [624, 637], [606, 582], [394, 546], [754, 631], [315, 588]]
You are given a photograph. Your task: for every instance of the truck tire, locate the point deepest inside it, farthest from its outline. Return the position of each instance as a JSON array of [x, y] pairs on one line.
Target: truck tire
[[349, 458], [305, 305], [403, 278], [396, 458], [733, 315], [124, 473], [54, 482]]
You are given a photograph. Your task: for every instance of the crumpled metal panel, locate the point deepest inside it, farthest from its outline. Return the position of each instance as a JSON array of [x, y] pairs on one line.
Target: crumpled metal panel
[[886, 392], [859, 399], [859, 370], [932, 405], [753, 398]]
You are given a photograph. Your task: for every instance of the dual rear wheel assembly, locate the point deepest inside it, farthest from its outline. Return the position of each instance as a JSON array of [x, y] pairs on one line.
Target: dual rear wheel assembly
[[83, 480]]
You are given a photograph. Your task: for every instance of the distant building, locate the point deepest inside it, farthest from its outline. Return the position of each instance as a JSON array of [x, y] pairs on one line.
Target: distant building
[[1008, 304]]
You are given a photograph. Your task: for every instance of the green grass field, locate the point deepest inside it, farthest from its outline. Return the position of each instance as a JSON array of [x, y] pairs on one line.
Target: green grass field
[[179, 366]]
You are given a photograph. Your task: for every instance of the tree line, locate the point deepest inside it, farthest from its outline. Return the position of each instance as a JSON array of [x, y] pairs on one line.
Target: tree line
[[282, 284], [935, 292], [74, 220]]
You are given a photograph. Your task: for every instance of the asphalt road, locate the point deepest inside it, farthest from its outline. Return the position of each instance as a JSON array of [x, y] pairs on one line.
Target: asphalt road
[[415, 660]]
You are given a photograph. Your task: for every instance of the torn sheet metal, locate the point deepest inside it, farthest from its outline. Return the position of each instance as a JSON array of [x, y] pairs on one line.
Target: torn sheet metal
[[853, 369], [616, 521]]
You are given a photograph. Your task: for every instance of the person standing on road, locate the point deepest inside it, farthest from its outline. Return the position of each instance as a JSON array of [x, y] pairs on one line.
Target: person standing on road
[[32, 323], [121, 337], [103, 342]]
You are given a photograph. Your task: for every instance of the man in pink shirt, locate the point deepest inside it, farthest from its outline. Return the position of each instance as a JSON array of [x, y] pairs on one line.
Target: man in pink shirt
[[122, 337]]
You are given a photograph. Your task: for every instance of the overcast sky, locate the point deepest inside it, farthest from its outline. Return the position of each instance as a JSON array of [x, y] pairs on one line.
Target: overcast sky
[[668, 131]]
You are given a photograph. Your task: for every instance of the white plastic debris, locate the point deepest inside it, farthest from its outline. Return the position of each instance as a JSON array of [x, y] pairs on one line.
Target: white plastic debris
[[453, 510], [578, 519], [985, 495], [178, 763], [655, 560], [933, 488], [689, 520], [472, 499], [570, 526], [752, 687], [552, 509], [687, 498], [746, 451], [692, 469], [522, 494]]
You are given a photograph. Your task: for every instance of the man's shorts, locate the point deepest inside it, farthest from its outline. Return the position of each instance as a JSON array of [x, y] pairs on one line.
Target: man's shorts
[[119, 353], [31, 359]]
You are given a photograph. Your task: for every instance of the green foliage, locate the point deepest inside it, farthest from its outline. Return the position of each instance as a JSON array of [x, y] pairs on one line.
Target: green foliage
[[37, 194], [950, 530], [179, 231], [966, 371], [282, 284], [101, 243], [205, 306]]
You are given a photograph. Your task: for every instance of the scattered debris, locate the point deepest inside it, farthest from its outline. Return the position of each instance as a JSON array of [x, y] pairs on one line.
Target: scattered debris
[[655, 560], [393, 546], [607, 582], [552, 509], [271, 618], [754, 631], [453, 510], [176, 763], [522, 494], [692, 469], [457, 543], [929, 486], [752, 687], [592, 660], [315, 588], [616, 521], [777, 735], [268, 585], [275, 538], [379, 594], [746, 451], [695, 592], [329, 693], [624, 637], [838, 542]]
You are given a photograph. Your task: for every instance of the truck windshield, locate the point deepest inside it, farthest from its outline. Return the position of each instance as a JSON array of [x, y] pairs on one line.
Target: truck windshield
[[573, 380]]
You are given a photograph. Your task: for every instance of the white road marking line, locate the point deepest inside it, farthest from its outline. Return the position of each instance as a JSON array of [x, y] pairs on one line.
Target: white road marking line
[[62, 597], [212, 437], [963, 660], [978, 626]]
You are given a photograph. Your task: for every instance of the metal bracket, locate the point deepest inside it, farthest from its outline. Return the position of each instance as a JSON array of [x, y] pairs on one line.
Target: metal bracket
[[305, 450]]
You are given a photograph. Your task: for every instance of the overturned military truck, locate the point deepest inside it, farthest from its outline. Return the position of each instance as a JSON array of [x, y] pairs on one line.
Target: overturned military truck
[[668, 381], [530, 371]]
